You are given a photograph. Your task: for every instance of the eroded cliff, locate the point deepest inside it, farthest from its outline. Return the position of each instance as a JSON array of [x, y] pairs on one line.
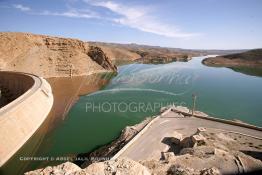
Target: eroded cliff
[[50, 56]]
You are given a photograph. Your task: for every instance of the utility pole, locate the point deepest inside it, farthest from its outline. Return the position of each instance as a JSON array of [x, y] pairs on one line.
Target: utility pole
[[194, 103]]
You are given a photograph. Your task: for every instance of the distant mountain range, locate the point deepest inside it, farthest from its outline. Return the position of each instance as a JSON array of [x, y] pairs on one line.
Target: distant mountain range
[[50, 56], [147, 53]]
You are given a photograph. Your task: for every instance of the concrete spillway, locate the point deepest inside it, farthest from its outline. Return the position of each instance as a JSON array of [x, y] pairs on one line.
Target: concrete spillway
[[30, 100]]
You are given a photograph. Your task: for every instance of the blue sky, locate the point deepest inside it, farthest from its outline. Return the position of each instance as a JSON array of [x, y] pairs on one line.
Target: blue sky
[[195, 24]]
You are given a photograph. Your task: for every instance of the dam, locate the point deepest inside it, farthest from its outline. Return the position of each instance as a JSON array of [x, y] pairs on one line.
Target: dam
[[26, 101]]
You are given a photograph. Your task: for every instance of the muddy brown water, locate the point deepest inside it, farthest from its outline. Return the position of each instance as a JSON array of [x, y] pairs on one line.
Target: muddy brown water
[[66, 92]]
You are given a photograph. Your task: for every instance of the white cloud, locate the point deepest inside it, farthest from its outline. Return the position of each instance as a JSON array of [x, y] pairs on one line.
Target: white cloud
[[140, 18], [137, 17], [71, 14], [21, 7]]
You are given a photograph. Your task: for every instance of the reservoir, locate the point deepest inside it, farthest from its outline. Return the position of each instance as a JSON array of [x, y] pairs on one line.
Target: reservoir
[[140, 90]]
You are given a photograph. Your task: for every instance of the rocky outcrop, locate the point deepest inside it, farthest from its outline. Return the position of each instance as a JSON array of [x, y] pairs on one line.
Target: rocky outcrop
[[116, 53], [213, 151], [112, 167], [48, 56], [217, 154], [179, 170], [146, 54], [118, 167], [65, 168], [100, 57]]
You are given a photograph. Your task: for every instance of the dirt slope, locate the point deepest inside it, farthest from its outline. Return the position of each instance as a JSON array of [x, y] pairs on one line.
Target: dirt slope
[[50, 56], [118, 53]]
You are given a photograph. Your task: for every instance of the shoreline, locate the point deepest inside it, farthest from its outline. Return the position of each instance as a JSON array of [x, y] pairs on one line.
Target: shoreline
[[64, 100], [107, 151], [248, 59], [212, 62], [76, 87]]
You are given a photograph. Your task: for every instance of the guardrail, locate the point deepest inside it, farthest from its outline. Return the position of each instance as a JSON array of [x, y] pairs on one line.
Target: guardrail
[[231, 122]]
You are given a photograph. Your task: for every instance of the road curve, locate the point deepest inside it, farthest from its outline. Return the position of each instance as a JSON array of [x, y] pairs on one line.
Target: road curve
[[149, 145]]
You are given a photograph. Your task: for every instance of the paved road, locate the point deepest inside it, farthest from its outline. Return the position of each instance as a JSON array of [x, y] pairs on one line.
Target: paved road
[[150, 144]]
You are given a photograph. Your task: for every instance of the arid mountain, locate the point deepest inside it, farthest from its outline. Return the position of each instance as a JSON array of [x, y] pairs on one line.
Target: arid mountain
[[252, 58], [50, 56], [117, 52], [145, 54], [154, 54]]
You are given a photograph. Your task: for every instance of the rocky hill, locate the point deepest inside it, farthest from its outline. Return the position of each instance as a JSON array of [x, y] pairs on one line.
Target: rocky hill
[[117, 167], [252, 58], [122, 166], [117, 52], [154, 54], [146, 54], [50, 56]]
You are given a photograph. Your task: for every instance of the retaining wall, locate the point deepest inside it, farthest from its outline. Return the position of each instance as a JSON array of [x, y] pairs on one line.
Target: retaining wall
[[19, 119]]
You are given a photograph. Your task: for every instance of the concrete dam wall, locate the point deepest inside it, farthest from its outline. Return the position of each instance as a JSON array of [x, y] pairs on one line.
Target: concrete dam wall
[[28, 101], [13, 85]]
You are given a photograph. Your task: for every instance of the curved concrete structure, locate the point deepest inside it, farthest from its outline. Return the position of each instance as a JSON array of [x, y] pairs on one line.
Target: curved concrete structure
[[32, 101]]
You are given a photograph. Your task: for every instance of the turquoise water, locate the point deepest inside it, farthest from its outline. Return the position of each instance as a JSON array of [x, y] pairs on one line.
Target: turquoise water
[[221, 92], [139, 90]]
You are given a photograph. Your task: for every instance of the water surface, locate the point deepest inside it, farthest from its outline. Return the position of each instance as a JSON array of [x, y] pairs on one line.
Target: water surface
[[98, 118], [221, 92]]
